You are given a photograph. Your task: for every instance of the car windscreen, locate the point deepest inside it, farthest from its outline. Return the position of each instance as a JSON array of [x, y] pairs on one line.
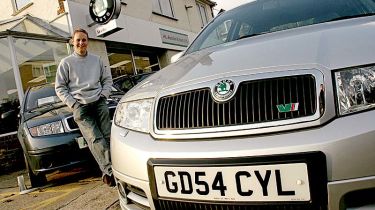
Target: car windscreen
[[40, 95], [267, 16]]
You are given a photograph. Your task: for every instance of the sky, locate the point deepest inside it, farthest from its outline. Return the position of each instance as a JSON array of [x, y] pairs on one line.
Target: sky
[[227, 4]]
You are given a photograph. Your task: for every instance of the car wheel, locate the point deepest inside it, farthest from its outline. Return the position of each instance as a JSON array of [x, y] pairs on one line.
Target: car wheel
[[35, 180]]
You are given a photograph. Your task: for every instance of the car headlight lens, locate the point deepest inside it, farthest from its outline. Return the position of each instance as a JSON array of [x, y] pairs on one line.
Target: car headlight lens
[[355, 89], [134, 115], [47, 129]]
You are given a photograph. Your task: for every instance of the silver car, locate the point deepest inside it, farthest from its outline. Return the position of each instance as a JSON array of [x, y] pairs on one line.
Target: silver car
[[271, 107]]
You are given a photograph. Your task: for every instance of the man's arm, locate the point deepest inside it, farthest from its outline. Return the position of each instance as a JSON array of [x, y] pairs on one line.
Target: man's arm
[[105, 80], [62, 84]]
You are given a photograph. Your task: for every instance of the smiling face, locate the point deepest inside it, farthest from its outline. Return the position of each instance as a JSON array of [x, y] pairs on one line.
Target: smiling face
[[80, 42]]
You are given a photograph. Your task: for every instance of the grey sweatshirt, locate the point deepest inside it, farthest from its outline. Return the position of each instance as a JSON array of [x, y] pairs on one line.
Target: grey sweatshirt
[[82, 79]]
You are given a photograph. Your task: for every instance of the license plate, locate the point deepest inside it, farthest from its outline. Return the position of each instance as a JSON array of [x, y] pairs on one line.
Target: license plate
[[81, 142], [262, 183]]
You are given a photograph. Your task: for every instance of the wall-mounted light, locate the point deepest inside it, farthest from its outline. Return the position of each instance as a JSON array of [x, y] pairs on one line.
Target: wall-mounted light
[[188, 6]]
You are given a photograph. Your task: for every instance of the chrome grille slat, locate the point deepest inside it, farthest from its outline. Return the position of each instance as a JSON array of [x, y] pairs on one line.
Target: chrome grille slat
[[284, 95], [183, 111], [258, 104], [265, 101], [289, 91], [161, 108], [167, 121], [277, 97], [204, 113], [198, 108], [304, 98], [246, 101], [179, 113], [188, 111], [310, 95], [297, 95], [241, 115], [254, 102], [175, 106], [271, 102]]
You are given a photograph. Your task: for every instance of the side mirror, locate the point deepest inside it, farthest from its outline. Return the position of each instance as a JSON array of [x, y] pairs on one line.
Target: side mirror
[[177, 56]]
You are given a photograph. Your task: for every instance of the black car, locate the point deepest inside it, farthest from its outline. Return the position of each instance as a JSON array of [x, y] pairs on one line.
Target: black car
[[48, 134], [126, 82], [9, 110]]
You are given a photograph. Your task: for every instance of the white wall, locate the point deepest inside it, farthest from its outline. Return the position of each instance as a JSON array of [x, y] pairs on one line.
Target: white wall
[[135, 30], [43, 9], [187, 19]]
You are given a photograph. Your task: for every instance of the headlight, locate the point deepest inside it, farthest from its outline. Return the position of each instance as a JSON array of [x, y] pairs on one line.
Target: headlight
[[47, 129], [355, 89], [134, 115]]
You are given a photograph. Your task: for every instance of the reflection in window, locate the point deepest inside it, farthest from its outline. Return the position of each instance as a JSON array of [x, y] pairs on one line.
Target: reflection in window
[[21, 3], [120, 64], [9, 101], [163, 7], [38, 60], [217, 36], [146, 63]]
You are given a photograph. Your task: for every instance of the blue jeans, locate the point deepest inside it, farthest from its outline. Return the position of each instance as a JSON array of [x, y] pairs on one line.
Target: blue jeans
[[94, 122]]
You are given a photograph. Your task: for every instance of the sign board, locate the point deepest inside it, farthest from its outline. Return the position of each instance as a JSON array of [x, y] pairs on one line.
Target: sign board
[[107, 29], [103, 11], [174, 38]]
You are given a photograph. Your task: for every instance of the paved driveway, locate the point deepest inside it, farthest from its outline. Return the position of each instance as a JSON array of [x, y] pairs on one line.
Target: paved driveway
[[79, 188]]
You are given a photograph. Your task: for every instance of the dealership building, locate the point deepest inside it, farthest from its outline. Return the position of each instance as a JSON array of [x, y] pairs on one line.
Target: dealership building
[[35, 34]]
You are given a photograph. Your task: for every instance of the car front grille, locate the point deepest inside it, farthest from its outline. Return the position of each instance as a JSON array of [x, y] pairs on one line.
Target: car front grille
[[169, 205], [254, 102]]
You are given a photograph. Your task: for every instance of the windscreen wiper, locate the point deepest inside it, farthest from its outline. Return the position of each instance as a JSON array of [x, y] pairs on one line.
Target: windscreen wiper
[[350, 17]]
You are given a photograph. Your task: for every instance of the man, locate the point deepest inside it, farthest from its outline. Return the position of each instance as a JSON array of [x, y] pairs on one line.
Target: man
[[84, 83]]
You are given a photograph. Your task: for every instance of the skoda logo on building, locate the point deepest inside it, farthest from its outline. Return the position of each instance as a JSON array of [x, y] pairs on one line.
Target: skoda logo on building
[[223, 90], [102, 11]]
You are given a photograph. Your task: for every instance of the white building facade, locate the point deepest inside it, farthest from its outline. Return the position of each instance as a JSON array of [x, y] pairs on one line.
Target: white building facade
[[34, 37]]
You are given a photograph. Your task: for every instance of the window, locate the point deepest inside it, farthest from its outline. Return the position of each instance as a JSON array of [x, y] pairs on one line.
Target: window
[[9, 101], [163, 7], [121, 64], [38, 60], [37, 70], [19, 4], [202, 13], [61, 8], [146, 63], [132, 62]]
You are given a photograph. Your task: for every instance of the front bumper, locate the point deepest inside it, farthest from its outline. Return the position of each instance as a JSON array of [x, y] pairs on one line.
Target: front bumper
[[348, 150], [57, 153]]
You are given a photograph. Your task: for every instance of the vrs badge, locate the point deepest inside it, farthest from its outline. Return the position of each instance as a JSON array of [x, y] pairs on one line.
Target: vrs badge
[[291, 107], [223, 90]]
